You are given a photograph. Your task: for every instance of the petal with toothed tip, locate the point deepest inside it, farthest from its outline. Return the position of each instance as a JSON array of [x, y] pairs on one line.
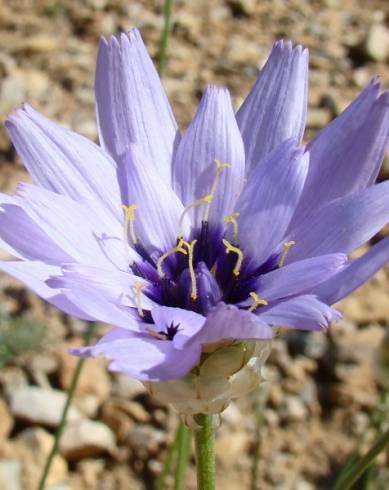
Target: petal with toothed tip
[[276, 107], [131, 103]]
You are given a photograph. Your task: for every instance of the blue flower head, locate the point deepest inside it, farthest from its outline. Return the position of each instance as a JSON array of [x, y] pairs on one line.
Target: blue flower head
[[190, 243]]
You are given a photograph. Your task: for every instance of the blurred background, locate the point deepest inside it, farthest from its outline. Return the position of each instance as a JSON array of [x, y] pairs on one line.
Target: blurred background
[[323, 390]]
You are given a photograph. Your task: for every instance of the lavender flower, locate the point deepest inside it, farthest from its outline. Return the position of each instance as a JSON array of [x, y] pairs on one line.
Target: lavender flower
[[195, 244]]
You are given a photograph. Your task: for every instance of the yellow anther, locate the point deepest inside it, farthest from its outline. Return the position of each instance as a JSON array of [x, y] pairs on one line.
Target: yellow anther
[[155, 334], [129, 218], [220, 166], [138, 286], [287, 246], [177, 248], [206, 199], [232, 219], [257, 301], [238, 252], [190, 247]]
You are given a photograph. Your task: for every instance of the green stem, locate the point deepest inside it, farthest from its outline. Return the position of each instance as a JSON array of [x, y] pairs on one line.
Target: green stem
[[70, 394], [162, 55], [363, 463], [160, 485], [183, 455], [204, 437]]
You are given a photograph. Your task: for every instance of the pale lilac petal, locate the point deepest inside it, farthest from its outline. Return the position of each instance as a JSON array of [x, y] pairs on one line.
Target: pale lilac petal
[[228, 322], [359, 271], [299, 277], [213, 134], [63, 161], [73, 226], [5, 245], [189, 323], [303, 312], [342, 225], [269, 199], [117, 287], [116, 333], [34, 276], [96, 303], [147, 358], [158, 208], [275, 109], [24, 238], [347, 155], [131, 103]]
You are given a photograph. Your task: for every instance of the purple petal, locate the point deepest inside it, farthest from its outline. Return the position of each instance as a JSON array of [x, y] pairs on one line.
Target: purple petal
[[132, 106], [275, 109], [303, 312], [63, 161], [114, 334], [158, 208], [346, 155], [147, 358], [342, 225], [189, 323], [116, 286], [299, 277], [212, 134], [95, 303], [269, 199], [228, 322], [353, 276], [34, 276], [16, 226], [74, 227], [4, 244]]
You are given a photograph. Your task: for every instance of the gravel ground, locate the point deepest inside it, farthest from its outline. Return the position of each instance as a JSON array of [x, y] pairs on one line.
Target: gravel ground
[[321, 388]]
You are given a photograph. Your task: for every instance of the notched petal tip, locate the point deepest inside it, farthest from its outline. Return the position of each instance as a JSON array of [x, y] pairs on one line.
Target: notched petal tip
[[214, 91], [286, 47], [122, 39], [16, 113]]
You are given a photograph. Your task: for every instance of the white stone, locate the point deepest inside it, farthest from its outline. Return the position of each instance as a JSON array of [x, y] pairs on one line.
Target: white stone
[[10, 474], [377, 42], [86, 438], [41, 406]]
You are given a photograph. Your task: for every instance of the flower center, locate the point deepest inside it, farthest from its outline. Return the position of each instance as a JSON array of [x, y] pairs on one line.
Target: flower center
[[199, 273]]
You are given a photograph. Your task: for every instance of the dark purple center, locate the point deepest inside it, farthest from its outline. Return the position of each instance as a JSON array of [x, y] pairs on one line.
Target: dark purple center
[[214, 272]]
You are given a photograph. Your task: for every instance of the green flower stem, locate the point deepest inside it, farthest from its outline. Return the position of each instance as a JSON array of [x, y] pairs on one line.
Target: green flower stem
[[363, 463], [70, 394], [183, 455], [179, 450], [162, 55], [204, 437], [160, 484]]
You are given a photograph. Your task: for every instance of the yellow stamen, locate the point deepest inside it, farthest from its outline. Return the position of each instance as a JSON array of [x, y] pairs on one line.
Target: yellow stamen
[[219, 169], [257, 301], [206, 199], [177, 248], [155, 334], [214, 269], [239, 253], [287, 246], [138, 286], [129, 218], [192, 273], [232, 219]]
